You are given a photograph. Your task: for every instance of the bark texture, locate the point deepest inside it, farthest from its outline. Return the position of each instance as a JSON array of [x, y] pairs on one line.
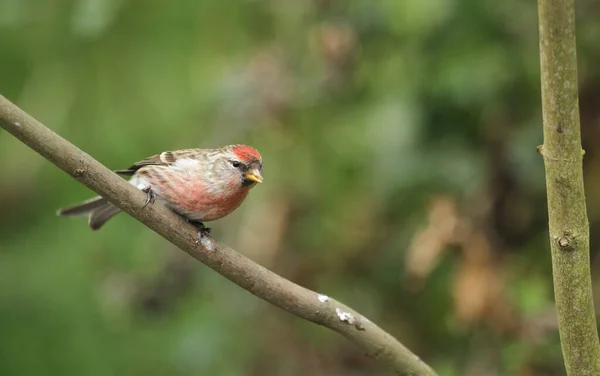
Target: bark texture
[[563, 157]]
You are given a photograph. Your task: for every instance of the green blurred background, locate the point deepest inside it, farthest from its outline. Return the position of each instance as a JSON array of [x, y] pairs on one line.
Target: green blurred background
[[401, 177]]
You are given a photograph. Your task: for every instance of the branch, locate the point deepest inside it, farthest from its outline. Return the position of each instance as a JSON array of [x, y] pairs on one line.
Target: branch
[[237, 268], [568, 221]]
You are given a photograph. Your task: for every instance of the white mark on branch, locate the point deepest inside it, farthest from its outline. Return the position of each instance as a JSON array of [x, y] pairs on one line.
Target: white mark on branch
[[206, 242], [17, 124], [345, 316], [323, 298]]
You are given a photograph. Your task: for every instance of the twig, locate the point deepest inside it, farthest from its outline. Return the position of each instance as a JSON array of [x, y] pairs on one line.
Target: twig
[[563, 155], [247, 274]]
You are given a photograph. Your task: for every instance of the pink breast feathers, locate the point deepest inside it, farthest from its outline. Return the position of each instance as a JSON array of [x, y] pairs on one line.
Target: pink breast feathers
[[216, 207], [187, 196]]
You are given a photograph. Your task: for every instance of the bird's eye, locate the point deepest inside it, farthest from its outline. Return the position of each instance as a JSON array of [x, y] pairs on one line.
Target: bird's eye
[[235, 164]]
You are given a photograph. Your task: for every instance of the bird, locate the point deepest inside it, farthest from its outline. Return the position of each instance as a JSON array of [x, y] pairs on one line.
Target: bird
[[200, 185]]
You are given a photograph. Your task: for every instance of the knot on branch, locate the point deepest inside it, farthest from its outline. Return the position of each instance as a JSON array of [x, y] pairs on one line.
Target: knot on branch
[[81, 170], [566, 243], [540, 149]]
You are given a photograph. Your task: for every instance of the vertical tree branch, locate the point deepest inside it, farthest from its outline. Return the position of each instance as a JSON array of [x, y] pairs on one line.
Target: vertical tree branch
[[568, 221]]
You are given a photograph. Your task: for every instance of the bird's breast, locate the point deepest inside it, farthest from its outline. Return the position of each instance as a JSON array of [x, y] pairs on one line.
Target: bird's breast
[[189, 195]]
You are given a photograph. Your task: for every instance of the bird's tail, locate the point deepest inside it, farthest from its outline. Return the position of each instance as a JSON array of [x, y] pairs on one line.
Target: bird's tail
[[98, 209]]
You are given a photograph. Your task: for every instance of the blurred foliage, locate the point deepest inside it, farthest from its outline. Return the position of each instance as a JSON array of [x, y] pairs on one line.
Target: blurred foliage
[[401, 177]]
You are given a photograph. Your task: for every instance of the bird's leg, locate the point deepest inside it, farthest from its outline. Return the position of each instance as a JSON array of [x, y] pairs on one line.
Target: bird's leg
[[202, 230], [151, 196]]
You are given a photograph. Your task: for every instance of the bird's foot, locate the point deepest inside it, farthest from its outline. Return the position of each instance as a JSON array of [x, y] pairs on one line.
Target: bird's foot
[[200, 226], [203, 231], [151, 196]]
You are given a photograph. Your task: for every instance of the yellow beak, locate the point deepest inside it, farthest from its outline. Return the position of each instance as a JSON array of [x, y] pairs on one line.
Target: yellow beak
[[254, 175]]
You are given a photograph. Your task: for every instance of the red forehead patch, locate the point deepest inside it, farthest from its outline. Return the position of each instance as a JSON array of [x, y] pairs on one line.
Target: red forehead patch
[[246, 153]]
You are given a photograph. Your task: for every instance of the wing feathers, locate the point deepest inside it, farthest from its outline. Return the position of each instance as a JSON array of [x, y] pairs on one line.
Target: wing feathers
[[165, 158]]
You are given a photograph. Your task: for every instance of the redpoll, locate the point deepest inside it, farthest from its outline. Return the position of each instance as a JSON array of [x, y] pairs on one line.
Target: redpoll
[[199, 184]]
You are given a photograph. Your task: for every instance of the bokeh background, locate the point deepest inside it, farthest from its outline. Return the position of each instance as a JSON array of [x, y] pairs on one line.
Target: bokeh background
[[401, 177]]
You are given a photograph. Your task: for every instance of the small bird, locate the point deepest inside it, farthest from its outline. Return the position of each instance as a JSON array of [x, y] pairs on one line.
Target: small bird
[[198, 184]]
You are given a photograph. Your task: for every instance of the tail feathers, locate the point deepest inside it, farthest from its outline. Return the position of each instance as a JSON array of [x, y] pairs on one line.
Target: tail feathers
[[98, 209], [84, 208], [101, 215]]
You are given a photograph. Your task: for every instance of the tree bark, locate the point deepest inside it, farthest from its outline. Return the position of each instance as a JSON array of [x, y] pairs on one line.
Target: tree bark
[[304, 303], [568, 221]]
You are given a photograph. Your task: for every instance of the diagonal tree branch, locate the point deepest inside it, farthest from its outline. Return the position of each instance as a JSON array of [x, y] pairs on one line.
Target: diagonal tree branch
[[567, 215], [232, 265]]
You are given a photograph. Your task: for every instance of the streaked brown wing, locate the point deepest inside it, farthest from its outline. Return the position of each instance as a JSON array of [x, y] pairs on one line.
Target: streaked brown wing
[[165, 158]]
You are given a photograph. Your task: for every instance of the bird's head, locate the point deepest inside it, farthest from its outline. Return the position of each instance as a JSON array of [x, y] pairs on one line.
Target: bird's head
[[240, 166]]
